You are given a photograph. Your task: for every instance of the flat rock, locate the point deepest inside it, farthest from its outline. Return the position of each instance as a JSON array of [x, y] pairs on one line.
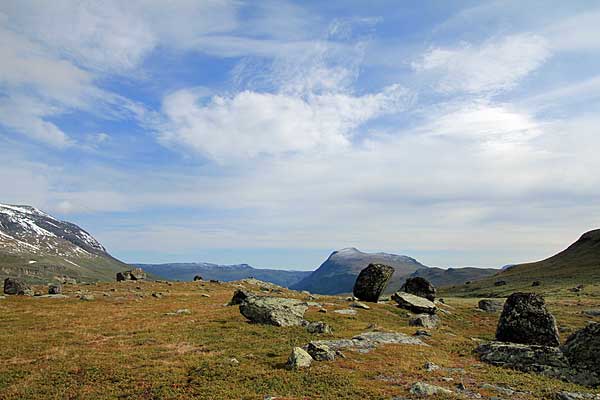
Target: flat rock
[[358, 304], [274, 310], [372, 281], [526, 320], [414, 303], [592, 313], [345, 311], [425, 389], [367, 341]]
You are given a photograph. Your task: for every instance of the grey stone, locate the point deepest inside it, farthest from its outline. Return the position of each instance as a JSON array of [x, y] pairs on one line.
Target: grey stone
[[197, 278], [273, 310], [239, 296], [318, 327], [490, 305], [298, 358], [372, 281], [358, 304], [87, 297], [419, 286], [425, 320], [367, 341], [577, 396], [582, 349], [425, 389], [55, 288], [346, 311], [136, 274], [592, 313], [16, 286], [414, 303], [320, 351], [526, 320], [430, 367]]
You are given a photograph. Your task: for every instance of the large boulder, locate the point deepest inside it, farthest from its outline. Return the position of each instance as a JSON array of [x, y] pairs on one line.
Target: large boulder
[[17, 286], [136, 274], [239, 296], [526, 320], [372, 281], [425, 320], [298, 358], [582, 349], [274, 310], [419, 287], [414, 303], [320, 351], [490, 305]]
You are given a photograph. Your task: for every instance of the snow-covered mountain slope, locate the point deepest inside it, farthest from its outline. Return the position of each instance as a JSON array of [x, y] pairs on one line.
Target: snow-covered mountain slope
[[35, 244]]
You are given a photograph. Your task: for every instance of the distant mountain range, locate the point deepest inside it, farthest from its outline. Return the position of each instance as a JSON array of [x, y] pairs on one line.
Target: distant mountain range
[[38, 247], [579, 264], [187, 271], [338, 273]]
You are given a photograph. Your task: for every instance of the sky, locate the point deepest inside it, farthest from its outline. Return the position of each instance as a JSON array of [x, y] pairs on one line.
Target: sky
[[460, 133]]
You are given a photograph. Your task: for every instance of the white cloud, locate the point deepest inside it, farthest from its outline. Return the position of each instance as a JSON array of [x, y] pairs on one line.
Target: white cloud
[[496, 65], [251, 123], [576, 33]]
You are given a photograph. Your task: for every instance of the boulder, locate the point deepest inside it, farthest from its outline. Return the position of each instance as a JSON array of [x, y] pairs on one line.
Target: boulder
[[425, 389], [490, 305], [372, 281], [320, 351], [274, 310], [197, 278], [17, 287], [136, 274], [358, 304], [528, 358], [419, 287], [318, 327], [414, 303], [239, 296], [526, 320], [55, 288], [582, 349], [500, 283], [425, 320], [536, 283], [298, 358]]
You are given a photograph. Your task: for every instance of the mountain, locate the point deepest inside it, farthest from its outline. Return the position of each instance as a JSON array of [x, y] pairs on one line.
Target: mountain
[[38, 247], [187, 271], [577, 264], [338, 273]]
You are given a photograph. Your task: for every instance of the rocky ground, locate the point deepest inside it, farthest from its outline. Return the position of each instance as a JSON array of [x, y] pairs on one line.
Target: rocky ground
[[158, 340]]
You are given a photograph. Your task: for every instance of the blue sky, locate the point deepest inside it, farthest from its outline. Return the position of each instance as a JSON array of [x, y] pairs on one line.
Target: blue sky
[[459, 133]]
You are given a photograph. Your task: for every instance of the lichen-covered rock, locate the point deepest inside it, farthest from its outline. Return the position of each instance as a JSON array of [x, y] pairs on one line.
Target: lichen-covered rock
[[372, 281], [17, 287], [526, 320], [55, 288], [490, 305], [419, 287], [320, 351], [318, 327], [582, 349], [298, 358], [414, 303], [425, 320], [425, 389], [136, 274], [274, 310], [239, 296], [528, 358]]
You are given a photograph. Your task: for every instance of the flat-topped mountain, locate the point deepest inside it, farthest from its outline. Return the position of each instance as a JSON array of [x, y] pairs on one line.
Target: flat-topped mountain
[[338, 273], [37, 246], [579, 264], [187, 272]]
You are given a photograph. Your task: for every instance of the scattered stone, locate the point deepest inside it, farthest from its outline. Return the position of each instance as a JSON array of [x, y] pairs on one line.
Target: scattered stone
[[198, 278], [490, 305], [414, 303], [87, 297], [204, 295], [215, 281], [358, 304], [430, 367], [16, 286], [372, 281], [136, 274], [526, 320], [422, 332], [299, 358], [577, 396], [320, 351], [592, 313], [234, 361], [157, 295], [419, 287], [499, 389], [346, 311], [181, 311], [239, 296], [52, 296], [582, 349], [323, 310], [318, 327], [273, 310], [536, 283], [500, 283], [425, 389], [55, 288], [425, 320]]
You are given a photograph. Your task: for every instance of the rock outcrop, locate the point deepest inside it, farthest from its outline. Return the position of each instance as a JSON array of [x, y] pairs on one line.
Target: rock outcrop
[[372, 281], [526, 320], [274, 310], [17, 287], [419, 287], [414, 303]]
